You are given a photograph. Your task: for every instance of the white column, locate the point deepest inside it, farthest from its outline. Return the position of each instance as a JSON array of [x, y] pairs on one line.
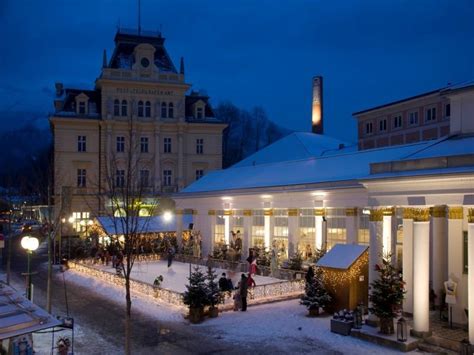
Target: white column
[[455, 255], [292, 231], [179, 228], [318, 224], [470, 275], [352, 226], [408, 261], [247, 233], [268, 229], [205, 223], [421, 280], [387, 236], [440, 250], [227, 229], [375, 247]]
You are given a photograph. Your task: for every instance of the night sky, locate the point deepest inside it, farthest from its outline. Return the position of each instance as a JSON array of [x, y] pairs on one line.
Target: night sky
[[248, 52]]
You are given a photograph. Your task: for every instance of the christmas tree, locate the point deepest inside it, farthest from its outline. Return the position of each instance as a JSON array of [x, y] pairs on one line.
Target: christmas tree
[[196, 295], [387, 295], [214, 294], [315, 295], [295, 262]]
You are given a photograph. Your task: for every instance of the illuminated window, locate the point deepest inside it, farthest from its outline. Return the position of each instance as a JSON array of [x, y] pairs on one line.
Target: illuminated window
[[219, 230], [336, 226], [363, 233], [307, 232], [258, 229], [280, 232]]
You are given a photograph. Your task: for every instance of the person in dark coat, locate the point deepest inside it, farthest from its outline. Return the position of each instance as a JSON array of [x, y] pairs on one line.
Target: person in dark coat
[[171, 252], [243, 292], [223, 284]]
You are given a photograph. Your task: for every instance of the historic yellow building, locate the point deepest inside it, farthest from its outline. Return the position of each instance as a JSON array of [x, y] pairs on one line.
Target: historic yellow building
[[140, 116]]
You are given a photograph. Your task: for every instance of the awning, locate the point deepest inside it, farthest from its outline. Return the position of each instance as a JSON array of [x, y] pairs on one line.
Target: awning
[[19, 316], [142, 225]]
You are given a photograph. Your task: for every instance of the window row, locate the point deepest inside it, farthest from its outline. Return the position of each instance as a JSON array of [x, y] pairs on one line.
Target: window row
[[397, 120], [143, 177], [143, 109], [144, 144]]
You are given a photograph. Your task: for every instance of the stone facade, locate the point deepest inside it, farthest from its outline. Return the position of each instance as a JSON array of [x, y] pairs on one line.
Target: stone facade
[[138, 110], [423, 117]]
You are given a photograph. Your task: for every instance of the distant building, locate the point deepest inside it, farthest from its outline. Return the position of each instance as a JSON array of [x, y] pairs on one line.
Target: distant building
[[414, 119], [175, 136]]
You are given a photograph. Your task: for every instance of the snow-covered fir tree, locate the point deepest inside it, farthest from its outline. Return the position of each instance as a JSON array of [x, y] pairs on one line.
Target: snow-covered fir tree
[[196, 294], [315, 294], [214, 294]]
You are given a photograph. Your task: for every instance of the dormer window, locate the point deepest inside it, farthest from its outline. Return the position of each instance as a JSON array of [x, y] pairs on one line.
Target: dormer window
[[199, 113], [81, 108], [145, 62]]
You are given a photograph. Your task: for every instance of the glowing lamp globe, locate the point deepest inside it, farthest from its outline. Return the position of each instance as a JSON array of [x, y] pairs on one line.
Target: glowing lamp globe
[[29, 243], [167, 216]]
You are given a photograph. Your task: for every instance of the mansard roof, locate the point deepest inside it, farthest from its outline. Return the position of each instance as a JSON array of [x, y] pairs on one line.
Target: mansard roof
[[70, 95], [192, 99], [127, 40]]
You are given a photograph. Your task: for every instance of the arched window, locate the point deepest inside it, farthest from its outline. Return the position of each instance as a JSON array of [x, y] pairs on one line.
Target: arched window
[[164, 110], [170, 110], [116, 108], [124, 108], [140, 108], [147, 109]]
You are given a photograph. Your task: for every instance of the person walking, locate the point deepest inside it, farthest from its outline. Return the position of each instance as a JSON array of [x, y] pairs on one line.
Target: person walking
[[243, 292], [237, 298], [170, 255]]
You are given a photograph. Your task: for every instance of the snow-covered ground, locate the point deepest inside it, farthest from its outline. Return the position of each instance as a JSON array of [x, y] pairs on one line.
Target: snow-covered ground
[[176, 277], [272, 328]]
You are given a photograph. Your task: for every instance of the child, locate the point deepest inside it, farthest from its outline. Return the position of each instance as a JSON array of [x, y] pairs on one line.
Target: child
[[237, 299]]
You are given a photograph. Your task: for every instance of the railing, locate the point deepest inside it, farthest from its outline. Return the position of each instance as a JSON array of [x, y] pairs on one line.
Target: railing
[[129, 74], [258, 294]]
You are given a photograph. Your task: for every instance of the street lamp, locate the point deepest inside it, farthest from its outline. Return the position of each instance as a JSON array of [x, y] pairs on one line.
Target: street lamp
[[167, 216], [30, 244]]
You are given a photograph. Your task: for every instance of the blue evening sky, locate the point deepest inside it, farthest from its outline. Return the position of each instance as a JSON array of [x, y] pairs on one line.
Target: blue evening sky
[[249, 52]]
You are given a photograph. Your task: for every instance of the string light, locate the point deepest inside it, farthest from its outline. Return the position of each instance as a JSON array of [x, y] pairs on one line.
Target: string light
[[335, 278], [260, 293]]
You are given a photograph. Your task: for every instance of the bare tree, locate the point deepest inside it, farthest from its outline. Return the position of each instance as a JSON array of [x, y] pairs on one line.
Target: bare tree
[[129, 205]]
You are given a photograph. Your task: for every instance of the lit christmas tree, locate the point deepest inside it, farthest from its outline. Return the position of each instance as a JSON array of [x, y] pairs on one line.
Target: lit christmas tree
[[315, 295], [387, 295]]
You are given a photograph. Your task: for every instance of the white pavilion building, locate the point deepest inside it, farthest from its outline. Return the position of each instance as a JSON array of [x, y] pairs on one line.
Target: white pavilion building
[[308, 191]]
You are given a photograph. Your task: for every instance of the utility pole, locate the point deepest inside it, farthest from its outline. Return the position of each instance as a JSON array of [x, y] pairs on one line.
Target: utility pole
[[50, 265]]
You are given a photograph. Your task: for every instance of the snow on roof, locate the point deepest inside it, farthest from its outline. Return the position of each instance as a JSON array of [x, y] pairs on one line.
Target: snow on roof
[[20, 316], [342, 256], [154, 224], [295, 146], [336, 166]]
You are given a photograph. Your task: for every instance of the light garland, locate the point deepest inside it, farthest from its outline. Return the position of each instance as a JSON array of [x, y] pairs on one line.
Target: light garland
[[259, 293], [335, 278]]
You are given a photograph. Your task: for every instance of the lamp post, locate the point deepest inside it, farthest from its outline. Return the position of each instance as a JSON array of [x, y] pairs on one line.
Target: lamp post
[[30, 244]]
